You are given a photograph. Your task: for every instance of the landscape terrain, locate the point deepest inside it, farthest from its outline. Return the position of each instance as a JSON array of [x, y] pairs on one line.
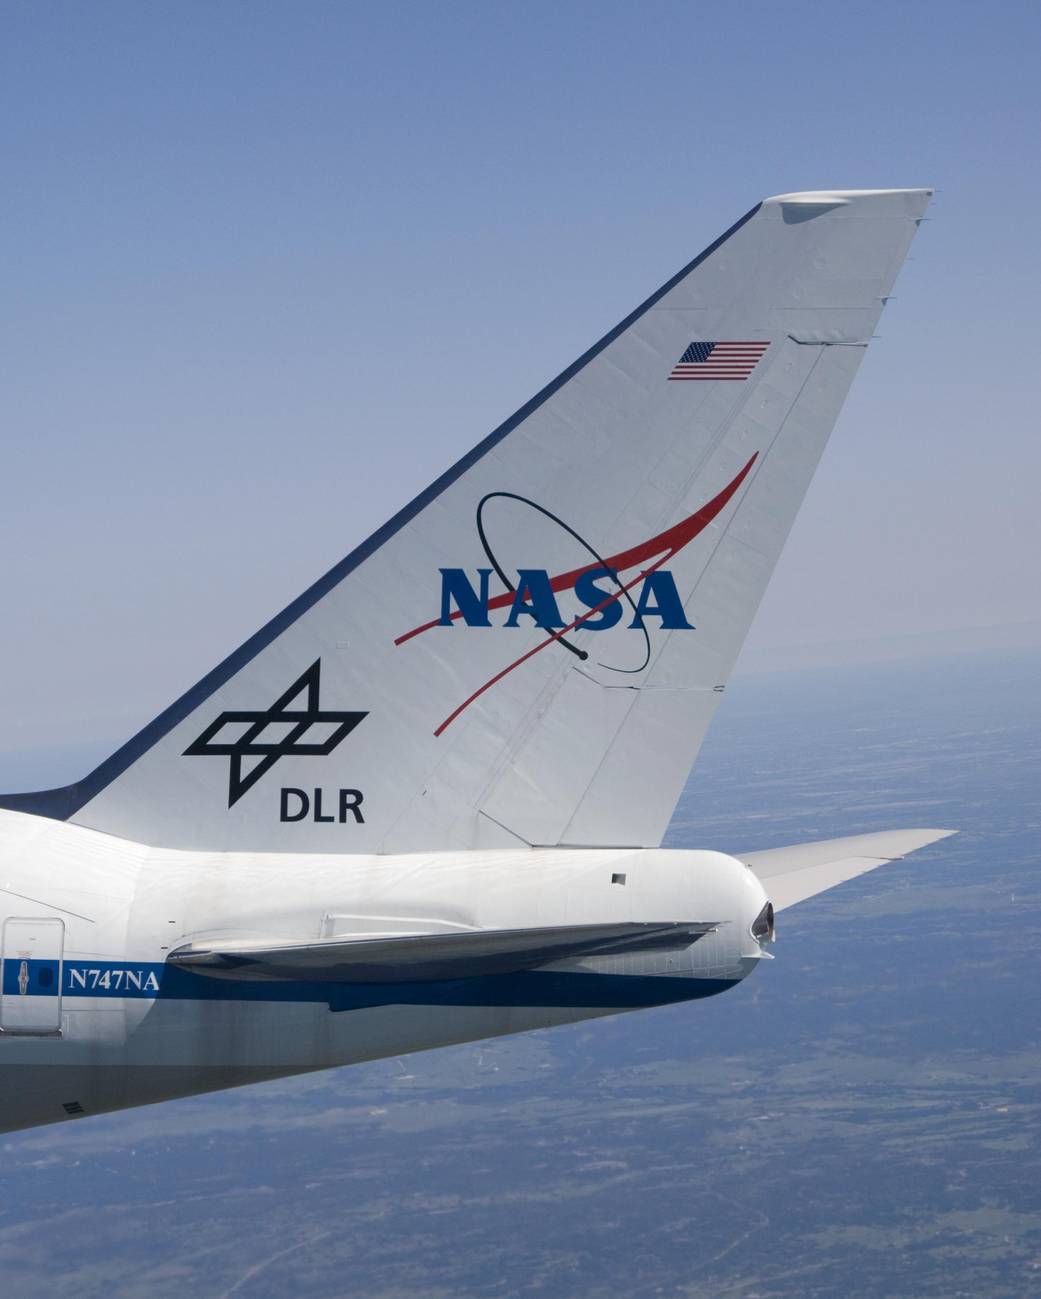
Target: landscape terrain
[[861, 1117]]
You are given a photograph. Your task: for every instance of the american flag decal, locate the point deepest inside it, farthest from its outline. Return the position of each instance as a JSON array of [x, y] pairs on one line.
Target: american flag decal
[[718, 360]]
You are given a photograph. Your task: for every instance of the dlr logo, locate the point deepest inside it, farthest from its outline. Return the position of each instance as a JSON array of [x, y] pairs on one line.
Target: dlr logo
[[298, 804]]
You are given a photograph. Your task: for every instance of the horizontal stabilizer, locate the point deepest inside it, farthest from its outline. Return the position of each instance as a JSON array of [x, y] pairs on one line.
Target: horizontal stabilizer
[[793, 874], [429, 957]]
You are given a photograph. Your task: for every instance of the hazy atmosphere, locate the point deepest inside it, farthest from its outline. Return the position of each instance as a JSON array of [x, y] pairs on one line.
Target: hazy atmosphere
[[271, 268]]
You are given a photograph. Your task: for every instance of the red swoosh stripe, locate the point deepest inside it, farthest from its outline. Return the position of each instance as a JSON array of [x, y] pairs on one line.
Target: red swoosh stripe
[[666, 544]]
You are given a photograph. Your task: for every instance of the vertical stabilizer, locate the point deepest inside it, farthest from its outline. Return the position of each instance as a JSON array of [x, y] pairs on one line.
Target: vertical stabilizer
[[531, 652]]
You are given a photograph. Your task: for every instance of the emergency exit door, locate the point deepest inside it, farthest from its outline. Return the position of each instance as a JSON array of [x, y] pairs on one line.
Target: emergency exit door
[[30, 1000]]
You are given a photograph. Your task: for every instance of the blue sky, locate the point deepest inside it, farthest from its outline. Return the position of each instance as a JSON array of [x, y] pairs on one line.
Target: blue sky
[[272, 267]]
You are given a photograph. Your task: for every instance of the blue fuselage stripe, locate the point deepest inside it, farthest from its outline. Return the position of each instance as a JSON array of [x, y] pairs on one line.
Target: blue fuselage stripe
[[158, 981]]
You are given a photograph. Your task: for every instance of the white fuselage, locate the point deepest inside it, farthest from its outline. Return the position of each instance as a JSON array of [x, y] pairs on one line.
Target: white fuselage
[[92, 1018]]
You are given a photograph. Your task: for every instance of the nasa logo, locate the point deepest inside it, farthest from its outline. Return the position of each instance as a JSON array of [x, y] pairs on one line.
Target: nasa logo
[[534, 598], [599, 586]]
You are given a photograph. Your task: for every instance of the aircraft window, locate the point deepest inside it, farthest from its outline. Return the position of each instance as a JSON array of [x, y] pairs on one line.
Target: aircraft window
[[618, 878], [46, 978]]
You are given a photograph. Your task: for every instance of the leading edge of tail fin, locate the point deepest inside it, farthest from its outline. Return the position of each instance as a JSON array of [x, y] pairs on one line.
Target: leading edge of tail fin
[[532, 650]]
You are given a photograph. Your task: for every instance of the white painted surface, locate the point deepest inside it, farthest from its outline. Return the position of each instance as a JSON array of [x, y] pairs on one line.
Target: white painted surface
[[796, 873], [560, 750]]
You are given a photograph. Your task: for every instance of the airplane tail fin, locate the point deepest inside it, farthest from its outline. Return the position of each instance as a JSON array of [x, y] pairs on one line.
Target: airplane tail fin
[[531, 652]]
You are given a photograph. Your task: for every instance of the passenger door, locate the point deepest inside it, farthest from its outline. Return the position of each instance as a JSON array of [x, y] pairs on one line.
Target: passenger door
[[30, 1000]]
